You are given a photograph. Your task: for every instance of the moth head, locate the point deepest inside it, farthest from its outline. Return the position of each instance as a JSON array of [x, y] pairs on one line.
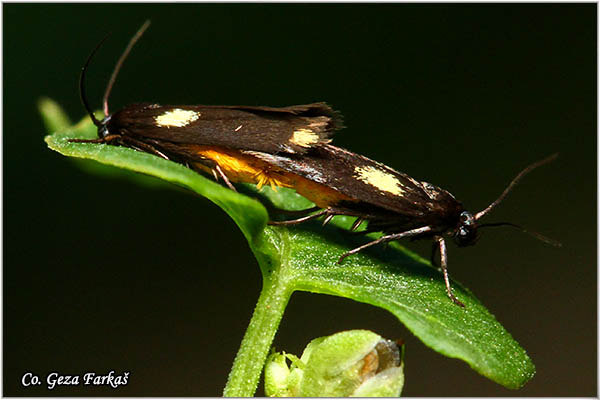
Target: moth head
[[465, 233], [103, 128]]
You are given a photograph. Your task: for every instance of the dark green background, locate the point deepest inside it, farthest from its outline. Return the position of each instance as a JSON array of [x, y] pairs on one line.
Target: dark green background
[[104, 274]]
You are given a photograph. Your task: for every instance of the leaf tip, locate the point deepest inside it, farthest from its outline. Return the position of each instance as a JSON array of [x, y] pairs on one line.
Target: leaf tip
[[54, 117]]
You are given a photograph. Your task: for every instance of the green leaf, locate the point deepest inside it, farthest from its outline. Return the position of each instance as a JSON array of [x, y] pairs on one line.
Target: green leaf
[[304, 257], [53, 115]]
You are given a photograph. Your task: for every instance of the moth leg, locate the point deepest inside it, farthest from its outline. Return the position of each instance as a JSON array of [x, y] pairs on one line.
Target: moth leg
[[220, 172], [356, 223], [217, 172], [87, 141], [328, 219], [137, 144], [149, 148], [385, 239], [325, 211], [330, 212], [298, 213], [364, 231], [444, 261], [127, 141], [108, 138]]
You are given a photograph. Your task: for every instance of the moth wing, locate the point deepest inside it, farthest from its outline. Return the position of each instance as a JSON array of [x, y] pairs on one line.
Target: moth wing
[[292, 129], [363, 180], [312, 109]]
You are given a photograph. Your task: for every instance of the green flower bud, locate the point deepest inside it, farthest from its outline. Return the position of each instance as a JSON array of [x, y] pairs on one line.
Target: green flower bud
[[351, 363]]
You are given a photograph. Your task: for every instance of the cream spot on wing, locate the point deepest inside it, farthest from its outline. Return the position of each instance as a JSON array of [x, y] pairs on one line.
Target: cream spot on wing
[[304, 138], [382, 180], [177, 117]]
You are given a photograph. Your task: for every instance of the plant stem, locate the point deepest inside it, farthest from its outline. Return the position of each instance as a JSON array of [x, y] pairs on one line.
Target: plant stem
[[250, 359]]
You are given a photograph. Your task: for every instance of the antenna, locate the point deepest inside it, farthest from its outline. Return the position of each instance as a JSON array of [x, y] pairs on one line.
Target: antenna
[[113, 77], [82, 83], [516, 180], [536, 235]]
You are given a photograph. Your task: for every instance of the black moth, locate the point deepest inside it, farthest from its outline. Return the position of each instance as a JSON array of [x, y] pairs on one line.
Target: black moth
[[168, 131], [391, 201]]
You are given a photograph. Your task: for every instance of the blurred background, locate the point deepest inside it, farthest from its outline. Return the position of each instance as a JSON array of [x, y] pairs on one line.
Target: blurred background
[[102, 274]]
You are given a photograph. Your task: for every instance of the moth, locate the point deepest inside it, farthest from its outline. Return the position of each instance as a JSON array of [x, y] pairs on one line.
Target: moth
[[388, 201], [211, 138]]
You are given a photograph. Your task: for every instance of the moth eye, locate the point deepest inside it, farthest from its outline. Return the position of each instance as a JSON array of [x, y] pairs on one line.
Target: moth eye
[[103, 131], [466, 218]]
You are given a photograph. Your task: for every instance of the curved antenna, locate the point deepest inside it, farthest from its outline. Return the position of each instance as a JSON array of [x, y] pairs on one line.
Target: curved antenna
[[527, 170], [82, 83], [113, 77], [536, 235]]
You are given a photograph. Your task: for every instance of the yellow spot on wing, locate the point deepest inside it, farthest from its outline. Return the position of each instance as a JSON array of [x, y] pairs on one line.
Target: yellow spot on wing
[[177, 117], [382, 180], [304, 138]]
